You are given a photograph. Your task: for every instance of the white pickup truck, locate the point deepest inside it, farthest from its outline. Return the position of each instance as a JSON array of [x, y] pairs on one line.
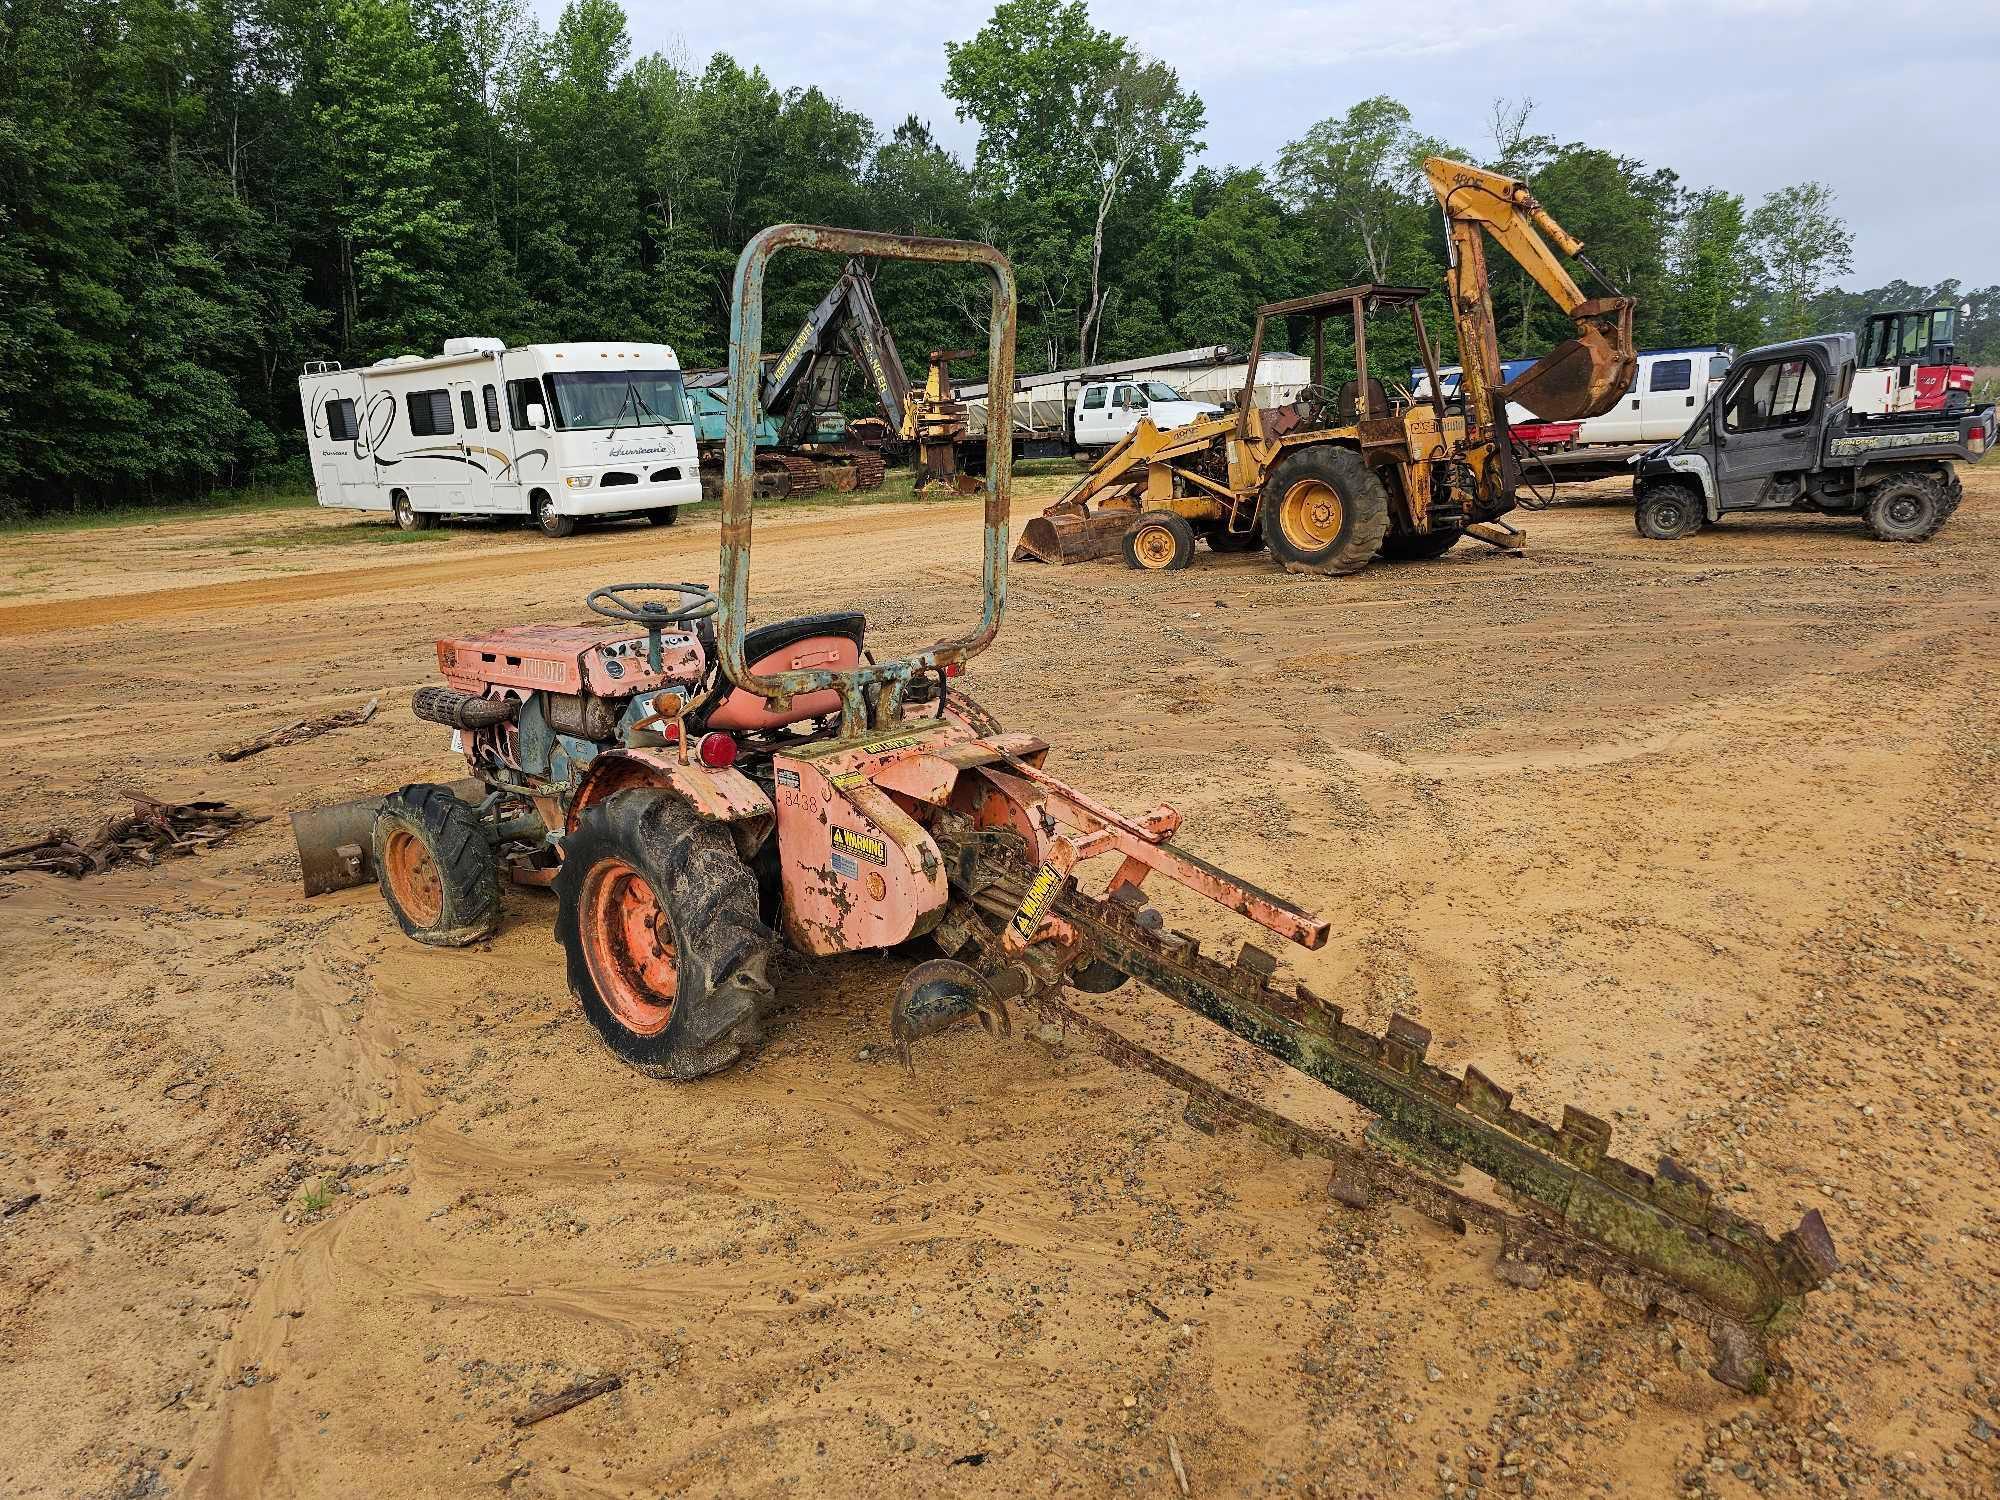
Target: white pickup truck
[[1106, 410]]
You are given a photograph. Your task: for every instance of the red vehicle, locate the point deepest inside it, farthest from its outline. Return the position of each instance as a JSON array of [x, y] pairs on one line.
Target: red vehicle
[[1545, 437], [1913, 356]]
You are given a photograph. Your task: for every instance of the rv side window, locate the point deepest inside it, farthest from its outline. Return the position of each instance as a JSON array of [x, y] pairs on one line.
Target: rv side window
[[465, 409], [522, 394], [430, 413], [1093, 399], [1673, 375], [340, 421], [492, 409]]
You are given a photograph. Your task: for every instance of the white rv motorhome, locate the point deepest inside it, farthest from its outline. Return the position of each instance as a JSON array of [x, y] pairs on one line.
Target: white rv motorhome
[[548, 431]]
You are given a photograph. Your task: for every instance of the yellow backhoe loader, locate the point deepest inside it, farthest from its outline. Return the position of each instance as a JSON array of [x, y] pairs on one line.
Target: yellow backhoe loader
[[1347, 472]]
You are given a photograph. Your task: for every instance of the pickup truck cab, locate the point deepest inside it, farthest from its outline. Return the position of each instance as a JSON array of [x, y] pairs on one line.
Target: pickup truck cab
[[1781, 435], [1106, 411]]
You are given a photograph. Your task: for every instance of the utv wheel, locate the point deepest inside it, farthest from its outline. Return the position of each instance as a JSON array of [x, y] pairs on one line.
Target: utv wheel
[[1324, 511], [657, 914], [1420, 546], [1159, 542], [1907, 508], [664, 515], [552, 524], [1667, 512], [407, 517], [435, 867]]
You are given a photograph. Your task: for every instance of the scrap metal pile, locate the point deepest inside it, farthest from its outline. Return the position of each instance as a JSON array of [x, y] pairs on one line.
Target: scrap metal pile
[[152, 831]]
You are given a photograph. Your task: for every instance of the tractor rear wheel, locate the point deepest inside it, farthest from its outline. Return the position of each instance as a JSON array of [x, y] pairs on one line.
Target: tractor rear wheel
[[1419, 546], [435, 867], [1159, 542], [1907, 508], [1324, 511], [657, 914], [1668, 510]]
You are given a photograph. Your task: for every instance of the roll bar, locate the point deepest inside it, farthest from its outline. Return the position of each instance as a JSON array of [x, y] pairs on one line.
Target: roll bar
[[872, 695]]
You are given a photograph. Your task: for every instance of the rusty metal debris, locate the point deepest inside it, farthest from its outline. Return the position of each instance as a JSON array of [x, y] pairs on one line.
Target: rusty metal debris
[[152, 831], [300, 729], [562, 1401]]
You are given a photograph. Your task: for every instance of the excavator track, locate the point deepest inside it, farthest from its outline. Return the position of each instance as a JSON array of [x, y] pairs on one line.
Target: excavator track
[[1651, 1239]]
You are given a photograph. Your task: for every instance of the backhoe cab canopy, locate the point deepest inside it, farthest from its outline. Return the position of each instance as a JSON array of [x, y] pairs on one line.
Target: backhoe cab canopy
[[1361, 398]]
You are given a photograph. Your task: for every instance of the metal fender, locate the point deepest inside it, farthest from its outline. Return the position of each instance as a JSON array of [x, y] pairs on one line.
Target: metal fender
[[726, 796]]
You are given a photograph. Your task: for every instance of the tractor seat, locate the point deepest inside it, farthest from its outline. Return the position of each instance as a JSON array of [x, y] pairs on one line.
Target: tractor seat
[[830, 641], [1349, 401]]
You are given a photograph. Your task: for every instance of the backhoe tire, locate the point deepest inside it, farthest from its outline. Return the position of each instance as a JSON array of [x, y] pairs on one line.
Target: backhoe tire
[[657, 914], [1907, 508], [1324, 511], [1222, 539], [547, 520], [436, 867], [1419, 546], [1158, 542], [1667, 511]]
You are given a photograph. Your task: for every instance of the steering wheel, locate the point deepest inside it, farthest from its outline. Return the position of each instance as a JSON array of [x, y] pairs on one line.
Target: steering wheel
[[692, 602], [613, 601]]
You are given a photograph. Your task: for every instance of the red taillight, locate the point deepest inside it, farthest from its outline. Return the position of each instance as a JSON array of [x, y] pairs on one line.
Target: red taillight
[[955, 669], [717, 751]]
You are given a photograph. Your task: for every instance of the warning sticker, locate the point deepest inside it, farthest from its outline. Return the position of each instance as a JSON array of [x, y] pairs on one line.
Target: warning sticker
[[787, 777], [1041, 894], [842, 865], [866, 846], [895, 742]]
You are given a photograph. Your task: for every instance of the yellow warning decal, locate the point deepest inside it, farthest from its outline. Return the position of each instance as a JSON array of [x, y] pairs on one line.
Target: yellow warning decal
[[895, 742], [846, 779], [861, 845], [1041, 894]]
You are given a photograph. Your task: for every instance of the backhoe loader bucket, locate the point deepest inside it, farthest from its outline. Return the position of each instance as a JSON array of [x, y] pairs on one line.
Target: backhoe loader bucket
[[1072, 538], [1585, 376]]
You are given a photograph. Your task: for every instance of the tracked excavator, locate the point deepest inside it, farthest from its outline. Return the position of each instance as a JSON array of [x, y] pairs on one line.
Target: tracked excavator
[[1346, 472], [805, 382]]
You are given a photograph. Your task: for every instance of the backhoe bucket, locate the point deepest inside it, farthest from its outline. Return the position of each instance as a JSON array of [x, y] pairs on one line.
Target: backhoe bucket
[[1585, 376], [1072, 538]]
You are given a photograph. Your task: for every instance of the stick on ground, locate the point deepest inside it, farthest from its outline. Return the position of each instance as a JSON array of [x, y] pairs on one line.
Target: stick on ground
[[562, 1401], [300, 729]]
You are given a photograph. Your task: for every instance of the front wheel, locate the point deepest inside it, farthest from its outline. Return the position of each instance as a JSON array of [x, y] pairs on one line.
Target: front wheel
[[1159, 542], [1666, 512], [664, 515], [658, 917], [1907, 508], [552, 523], [1324, 511], [435, 867]]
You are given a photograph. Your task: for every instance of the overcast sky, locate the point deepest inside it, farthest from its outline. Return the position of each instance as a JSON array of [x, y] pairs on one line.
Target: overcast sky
[[1890, 103]]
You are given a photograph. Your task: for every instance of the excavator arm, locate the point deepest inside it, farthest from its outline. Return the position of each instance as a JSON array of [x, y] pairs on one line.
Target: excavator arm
[[846, 320], [1581, 377]]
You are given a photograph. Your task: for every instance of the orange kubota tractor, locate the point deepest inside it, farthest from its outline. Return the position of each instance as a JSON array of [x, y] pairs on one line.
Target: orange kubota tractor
[[698, 793], [1347, 472]]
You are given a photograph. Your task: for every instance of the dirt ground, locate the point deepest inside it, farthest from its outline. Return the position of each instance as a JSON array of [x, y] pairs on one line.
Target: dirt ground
[[1700, 837]]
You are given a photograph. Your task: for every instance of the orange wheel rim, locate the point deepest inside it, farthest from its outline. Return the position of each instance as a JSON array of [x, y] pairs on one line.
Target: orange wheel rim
[[1311, 514], [1154, 547], [413, 878], [628, 946]]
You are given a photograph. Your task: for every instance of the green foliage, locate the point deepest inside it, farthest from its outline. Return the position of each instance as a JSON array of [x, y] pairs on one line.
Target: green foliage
[[197, 195]]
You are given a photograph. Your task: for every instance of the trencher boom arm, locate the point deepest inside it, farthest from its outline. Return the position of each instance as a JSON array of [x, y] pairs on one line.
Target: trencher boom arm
[[1000, 841]]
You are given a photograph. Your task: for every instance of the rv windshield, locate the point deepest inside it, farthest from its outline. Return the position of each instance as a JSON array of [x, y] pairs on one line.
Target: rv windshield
[[617, 398]]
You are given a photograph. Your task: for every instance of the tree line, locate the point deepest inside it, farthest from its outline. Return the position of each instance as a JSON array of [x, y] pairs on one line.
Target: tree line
[[196, 196]]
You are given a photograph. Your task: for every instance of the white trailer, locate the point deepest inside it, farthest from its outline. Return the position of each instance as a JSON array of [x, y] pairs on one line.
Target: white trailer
[[549, 432], [1043, 405]]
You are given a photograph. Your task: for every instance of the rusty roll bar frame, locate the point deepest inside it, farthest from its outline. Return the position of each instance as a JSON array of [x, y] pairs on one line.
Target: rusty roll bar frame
[[871, 696]]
